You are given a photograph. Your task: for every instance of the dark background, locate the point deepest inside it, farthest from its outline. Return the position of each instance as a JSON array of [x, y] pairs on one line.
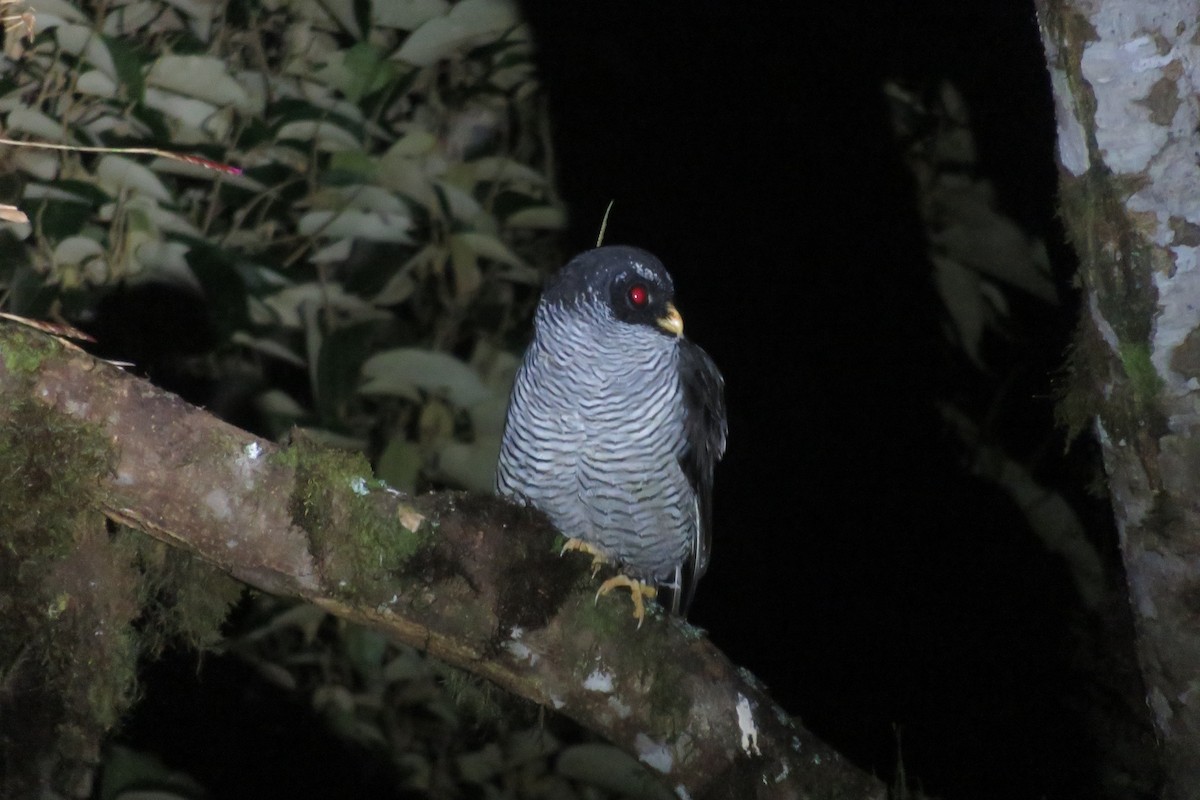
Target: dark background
[[879, 590], [889, 599]]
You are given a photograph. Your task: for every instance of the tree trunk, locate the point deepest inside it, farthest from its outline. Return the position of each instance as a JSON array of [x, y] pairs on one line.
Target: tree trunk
[[1126, 80]]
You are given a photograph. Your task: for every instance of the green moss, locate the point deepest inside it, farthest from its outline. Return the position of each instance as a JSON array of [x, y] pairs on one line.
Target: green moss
[[183, 598], [357, 546], [1115, 261], [475, 699], [1078, 392], [68, 598], [608, 616], [112, 678], [1143, 378], [79, 603], [203, 598], [1117, 266], [53, 464], [24, 350], [669, 704]]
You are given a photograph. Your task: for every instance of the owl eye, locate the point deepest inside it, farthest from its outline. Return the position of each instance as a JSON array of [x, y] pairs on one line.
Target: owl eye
[[638, 295]]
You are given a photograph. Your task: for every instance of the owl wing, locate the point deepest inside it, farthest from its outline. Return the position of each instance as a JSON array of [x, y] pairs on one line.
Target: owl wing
[[705, 428]]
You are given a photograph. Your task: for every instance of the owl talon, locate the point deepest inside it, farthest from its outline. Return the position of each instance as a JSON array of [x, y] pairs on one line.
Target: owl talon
[[599, 557], [637, 590]]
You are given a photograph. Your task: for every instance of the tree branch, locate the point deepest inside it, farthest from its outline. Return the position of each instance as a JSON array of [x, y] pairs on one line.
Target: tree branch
[[473, 580]]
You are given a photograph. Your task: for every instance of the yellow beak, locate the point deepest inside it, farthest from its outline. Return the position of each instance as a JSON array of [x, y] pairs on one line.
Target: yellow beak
[[671, 322]]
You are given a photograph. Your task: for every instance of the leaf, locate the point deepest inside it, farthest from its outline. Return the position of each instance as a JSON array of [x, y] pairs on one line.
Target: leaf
[[351, 223], [537, 217], [459, 203], [38, 125], [59, 219], [373, 198], [325, 135], [82, 41], [279, 403], [368, 71], [467, 277], [198, 121], [95, 83], [469, 465], [129, 772], [407, 15], [166, 260], [506, 170], [342, 353], [321, 107], [607, 767], [135, 14], [362, 16], [401, 285], [399, 288], [52, 13], [69, 190], [343, 11], [199, 11], [415, 143], [482, 765], [354, 162], [269, 347], [77, 250], [201, 77], [406, 177], [959, 288], [400, 464], [488, 246], [162, 218], [334, 253], [407, 664], [287, 303], [979, 237], [487, 416], [117, 173], [38, 163], [365, 649], [128, 64], [441, 36], [407, 371]]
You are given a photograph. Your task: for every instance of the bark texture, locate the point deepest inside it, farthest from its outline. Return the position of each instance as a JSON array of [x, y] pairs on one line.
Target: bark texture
[[474, 581], [1126, 82]]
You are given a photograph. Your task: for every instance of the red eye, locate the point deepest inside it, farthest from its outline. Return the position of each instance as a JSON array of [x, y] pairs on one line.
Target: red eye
[[638, 295]]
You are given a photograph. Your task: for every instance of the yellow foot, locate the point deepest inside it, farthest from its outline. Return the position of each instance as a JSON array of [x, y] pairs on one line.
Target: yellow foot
[[637, 590], [599, 557]]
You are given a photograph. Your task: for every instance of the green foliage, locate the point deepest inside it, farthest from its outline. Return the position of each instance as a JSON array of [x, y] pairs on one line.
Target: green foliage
[[445, 732], [393, 197], [384, 243], [127, 770]]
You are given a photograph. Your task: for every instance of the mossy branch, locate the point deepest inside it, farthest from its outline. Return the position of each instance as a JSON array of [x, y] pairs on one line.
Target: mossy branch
[[473, 580]]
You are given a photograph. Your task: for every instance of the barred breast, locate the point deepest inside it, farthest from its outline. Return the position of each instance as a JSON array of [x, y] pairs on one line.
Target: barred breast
[[593, 438]]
